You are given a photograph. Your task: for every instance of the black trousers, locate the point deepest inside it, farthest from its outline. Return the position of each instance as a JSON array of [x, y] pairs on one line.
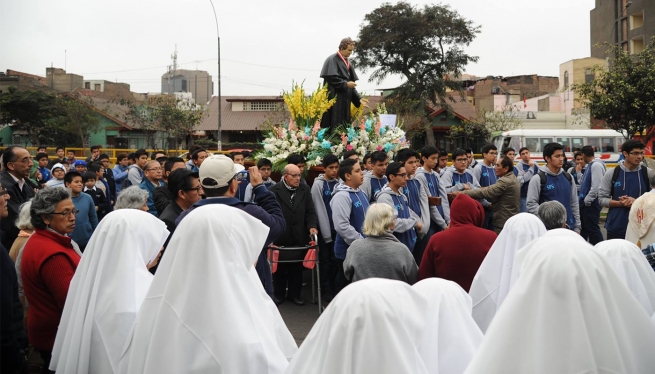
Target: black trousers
[[46, 356], [328, 265], [287, 280], [611, 235], [589, 217], [421, 244], [340, 281]]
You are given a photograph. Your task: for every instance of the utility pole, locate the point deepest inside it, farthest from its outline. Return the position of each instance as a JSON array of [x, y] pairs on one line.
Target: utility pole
[[218, 37]]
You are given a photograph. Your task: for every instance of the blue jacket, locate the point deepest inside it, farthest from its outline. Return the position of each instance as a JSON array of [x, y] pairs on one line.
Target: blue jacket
[[150, 187], [86, 220], [120, 174], [266, 209]]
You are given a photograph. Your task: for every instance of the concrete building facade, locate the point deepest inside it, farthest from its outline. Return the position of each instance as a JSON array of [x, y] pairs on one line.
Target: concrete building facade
[[59, 80], [197, 82], [629, 24], [522, 86]]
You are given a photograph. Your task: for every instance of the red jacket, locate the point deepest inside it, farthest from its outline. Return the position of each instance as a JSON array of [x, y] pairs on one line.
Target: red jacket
[[456, 253], [48, 265]]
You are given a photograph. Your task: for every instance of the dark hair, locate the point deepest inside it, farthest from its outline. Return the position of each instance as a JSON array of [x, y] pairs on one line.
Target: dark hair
[[405, 154], [94, 147], [458, 152], [443, 153], [196, 153], [88, 175], [8, 156], [120, 157], [60, 147], [428, 151], [330, 159], [296, 159], [180, 180], [131, 156], [378, 156], [70, 150], [576, 154], [168, 165], [192, 149], [94, 167], [488, 147], [154, 153], [550, 148], [393, 168], [68, 178], [216, 192], [349, 154], [103, 156], [162, 160], [345, 42], [41, 147], [39, 156], [508, 150], [524, 149], [587, 150], [264, 162], [346, 167], [507, 163], [366, 157], [631, 144], [140, 152], [468, 150]]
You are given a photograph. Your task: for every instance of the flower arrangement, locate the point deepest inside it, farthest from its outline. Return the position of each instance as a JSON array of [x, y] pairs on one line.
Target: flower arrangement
[[304, 135]]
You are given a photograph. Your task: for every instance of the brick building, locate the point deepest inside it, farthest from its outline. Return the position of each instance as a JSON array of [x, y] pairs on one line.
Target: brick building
[[525, 86], [626, 23]]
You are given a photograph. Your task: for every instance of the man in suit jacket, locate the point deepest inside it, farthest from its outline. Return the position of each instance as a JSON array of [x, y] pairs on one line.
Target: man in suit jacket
[[17, 163], [298, 208]]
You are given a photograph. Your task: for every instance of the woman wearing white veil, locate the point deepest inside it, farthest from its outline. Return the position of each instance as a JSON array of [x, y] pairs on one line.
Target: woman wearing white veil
[[372, 327], [206, 310], [632, 267], [106, 292], [494, 278], [567, 313], [451, 336]]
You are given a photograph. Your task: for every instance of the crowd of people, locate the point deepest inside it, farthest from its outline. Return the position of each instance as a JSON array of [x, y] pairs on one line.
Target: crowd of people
[[163, 265]]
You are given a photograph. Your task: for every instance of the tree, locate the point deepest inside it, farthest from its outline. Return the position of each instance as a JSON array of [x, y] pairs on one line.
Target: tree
[[507, 118], [78, 117], [623, 96], [468, 132], [142, 114], [33, 111], [424, 45], [177, 117]]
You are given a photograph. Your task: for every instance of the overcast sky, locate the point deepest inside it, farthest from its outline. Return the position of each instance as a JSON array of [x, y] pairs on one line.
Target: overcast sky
[[265, 45]]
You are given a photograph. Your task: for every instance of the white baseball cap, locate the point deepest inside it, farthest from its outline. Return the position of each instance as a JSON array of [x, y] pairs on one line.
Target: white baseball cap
[[217, 171]]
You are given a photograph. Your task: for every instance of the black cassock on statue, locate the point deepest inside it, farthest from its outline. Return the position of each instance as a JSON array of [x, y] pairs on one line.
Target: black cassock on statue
[[336, 74]]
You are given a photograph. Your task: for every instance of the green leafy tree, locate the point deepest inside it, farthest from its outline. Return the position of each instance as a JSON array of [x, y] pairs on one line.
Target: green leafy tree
[[78, 117], [36, 112], [143, 116], [177, 118], [623, 96], [468, 132], [424, 46]]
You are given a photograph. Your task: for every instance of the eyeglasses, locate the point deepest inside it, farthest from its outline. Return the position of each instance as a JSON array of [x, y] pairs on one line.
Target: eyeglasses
[[24, 160], [198, 189], [67, 213], [461, 160], [402, 175], [3, 191], [637, 153]]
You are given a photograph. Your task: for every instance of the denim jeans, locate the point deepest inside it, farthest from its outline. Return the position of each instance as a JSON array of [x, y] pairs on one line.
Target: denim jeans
[[589, 217], [524, 205]]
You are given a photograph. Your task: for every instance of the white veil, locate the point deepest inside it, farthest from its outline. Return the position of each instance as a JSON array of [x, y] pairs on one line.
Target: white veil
[[567, 313], [451, 336], [494, 277], [206, 310], [106, 292], [632, 267]]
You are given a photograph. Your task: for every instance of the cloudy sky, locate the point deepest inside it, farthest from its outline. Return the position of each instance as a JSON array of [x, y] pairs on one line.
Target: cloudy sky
[[265, 45]]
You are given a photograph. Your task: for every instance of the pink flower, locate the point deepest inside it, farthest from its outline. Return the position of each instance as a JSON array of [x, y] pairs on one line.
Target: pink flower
[[306, 137], [377, 128], [317, 127], [362, 125], [379, 147], [292, 125], [349, 147], [344, 139]]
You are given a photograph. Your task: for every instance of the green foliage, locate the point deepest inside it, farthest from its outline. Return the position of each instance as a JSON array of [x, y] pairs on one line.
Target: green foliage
[[77, 116], [35, 112], [624, 95], [424, 45], [488, 123]]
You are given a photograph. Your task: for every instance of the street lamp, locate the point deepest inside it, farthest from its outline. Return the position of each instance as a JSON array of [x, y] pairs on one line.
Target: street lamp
[[218, 36]]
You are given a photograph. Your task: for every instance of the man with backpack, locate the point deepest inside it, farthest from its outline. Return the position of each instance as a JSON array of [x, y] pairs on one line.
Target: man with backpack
[[622, 185], [553, 183], [588, 196]]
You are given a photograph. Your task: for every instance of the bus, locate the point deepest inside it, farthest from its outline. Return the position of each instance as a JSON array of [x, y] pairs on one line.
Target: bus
[[606, 143]]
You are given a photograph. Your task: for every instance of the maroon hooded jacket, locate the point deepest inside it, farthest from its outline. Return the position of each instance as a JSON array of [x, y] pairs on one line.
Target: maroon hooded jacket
[[456, 253]]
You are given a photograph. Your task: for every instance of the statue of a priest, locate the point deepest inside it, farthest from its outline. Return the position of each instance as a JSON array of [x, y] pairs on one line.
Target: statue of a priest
[[339, 74]]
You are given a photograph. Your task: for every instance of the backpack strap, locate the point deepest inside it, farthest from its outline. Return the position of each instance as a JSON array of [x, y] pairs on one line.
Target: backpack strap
[[615, 177], [542, 178]]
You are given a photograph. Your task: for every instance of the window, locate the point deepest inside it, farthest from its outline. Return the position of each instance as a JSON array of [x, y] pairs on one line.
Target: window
[[443, 118], [87, 85], [607, 145], [96, 87], [184, 85], [636, 45], [543, 142], [261, 106], [577, 143], [588, 76], [532, 144], [636, 20], [566, 79], [566, 142], [594, 142]]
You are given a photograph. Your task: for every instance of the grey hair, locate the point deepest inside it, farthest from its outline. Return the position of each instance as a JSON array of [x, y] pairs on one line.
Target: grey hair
[[44, 203], [24, 220], [131, 198], [378, 220], [552, 214]]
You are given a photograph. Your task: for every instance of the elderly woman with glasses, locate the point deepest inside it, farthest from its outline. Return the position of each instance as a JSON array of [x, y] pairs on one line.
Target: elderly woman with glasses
[[48, 265], [380, 254]]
